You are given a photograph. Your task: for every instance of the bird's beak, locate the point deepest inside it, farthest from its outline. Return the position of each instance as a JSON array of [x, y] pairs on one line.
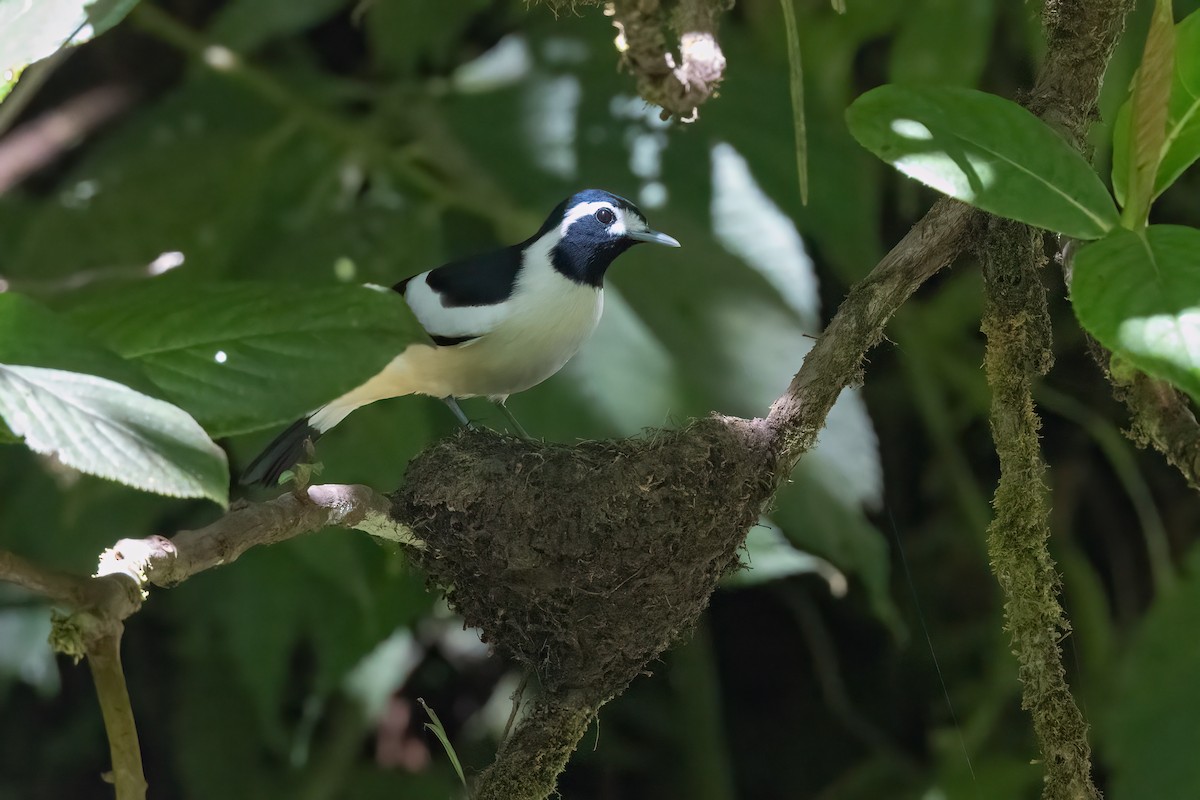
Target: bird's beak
[[654, 237]]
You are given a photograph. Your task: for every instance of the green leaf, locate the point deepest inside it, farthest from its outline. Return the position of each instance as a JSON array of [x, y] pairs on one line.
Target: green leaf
[[244, 25], [1138, 293], [942, 42], [244, 356], [985, 151], [439, 730], [1150, 733], [104, 428], [113, 214], [1148, 120], [32, 335], [31, 31], [68, 396], [1181, 146], [770, 556]]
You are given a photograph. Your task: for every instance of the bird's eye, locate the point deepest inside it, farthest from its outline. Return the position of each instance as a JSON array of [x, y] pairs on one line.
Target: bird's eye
[[606, 216]]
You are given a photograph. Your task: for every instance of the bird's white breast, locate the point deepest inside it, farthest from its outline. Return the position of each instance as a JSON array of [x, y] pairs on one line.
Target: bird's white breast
[[543, 324]]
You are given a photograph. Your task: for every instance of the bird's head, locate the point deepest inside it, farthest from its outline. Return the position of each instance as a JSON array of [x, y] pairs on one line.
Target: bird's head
[[590, 229]]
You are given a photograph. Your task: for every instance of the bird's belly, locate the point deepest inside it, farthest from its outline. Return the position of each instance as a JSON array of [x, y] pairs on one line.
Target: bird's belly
[[522, 352]]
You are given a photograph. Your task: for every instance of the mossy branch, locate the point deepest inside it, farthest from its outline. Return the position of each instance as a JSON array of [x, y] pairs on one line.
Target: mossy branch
[[585, 563], [1017, 325]]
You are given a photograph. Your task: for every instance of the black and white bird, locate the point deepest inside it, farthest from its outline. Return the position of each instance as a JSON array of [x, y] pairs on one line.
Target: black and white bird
[[501, 322]]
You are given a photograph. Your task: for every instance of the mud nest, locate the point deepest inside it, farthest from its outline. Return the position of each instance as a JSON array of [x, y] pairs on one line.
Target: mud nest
[[586, 562]]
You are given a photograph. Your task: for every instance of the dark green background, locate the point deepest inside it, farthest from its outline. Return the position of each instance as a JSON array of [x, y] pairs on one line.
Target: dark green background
[[239, 677]]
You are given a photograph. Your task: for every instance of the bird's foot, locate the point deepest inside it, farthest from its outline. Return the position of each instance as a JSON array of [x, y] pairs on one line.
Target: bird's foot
[[456, 409]]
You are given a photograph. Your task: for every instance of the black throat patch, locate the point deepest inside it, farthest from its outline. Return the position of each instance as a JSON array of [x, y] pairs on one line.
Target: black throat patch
[[585, 259]]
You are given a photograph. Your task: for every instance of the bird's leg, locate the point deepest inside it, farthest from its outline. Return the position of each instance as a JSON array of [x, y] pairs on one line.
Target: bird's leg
[[452, 404], [502, 404]]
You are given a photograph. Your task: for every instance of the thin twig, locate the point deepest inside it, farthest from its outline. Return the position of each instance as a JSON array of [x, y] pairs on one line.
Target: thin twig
[[104, 658], [130, 565], [835, 361], [517, 695], [60, 587], [1161, 417]]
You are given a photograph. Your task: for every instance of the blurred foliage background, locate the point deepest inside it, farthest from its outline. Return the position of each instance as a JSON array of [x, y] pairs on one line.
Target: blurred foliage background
[[339, 142]]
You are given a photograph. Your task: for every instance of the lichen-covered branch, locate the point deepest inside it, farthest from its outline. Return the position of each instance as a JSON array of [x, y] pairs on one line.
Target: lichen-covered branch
[[1080, 38], [1160, 414], [166, 562], [678, 81], [1162, 418], [100, 604], [530, 761], [1017, 325], [835, 361]]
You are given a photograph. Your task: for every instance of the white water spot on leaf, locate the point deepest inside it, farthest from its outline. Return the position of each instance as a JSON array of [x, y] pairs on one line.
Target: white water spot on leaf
[[645, 153], [750, 226], [80, 195], [550, 108], [221, 357], [911, 129], [1172, 337], [165, 262], [769, 343], [770, 556], [508, 62], [382, 671], [626, 373], [652, 195], [965, 176], [565, 50]]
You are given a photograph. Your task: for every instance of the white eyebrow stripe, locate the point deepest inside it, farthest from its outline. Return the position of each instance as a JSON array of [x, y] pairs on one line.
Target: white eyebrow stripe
[[625, 222]]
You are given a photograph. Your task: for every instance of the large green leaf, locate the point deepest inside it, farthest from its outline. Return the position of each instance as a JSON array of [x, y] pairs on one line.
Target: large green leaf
[[103, 428], [1151, 731], [243, 356], [985, 151], [1182, 145], [68, 396], [32, 335], [30, 31], [1138, 293]]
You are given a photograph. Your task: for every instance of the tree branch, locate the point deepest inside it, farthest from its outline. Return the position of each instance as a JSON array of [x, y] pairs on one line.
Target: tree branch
[[102, 602], [59, 587], [167, 562], [1161, 415], [525, 537], [104, 658], [835, 361], [1017, 324]]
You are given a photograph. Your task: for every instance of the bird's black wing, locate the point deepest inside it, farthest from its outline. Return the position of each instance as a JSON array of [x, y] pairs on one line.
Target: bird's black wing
[[465, 299]]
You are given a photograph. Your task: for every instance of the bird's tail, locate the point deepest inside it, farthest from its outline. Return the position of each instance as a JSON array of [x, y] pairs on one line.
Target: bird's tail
[[284, 452], [288, 448]]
